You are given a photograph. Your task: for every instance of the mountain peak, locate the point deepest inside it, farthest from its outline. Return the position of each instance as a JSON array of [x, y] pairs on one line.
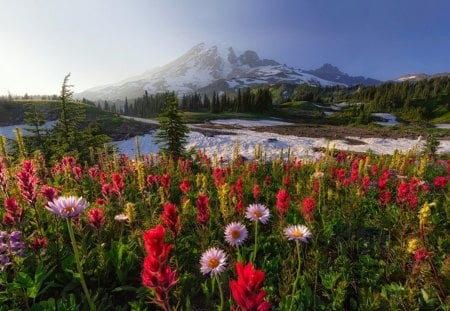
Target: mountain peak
[[203, 65], [333, 73]]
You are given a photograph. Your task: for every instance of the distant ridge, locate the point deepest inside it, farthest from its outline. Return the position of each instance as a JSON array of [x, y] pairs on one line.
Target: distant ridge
[[332, 73], [207, 65], [421, 76]]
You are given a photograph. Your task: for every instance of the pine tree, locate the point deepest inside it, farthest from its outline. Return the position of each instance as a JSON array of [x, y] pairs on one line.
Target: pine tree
[[70, 135], [173, 130], [35, 119]]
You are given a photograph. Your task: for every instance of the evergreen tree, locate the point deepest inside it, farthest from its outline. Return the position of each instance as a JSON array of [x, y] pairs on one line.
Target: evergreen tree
[[173, 130], [35, 119], [70, 135]]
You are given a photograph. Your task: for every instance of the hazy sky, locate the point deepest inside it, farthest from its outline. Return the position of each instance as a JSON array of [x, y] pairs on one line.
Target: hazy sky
[[105, 41]]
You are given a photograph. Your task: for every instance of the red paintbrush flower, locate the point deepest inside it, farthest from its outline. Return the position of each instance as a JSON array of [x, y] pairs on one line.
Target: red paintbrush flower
[[283, 200], [96, 218], [247, 291], [27, 182], [170, 218], [49, 193], [308, 207], [78, 172], [155, 273], [440, 183], [165, 181], [202, 209], [256, 192], [117, 183], [185, 186]]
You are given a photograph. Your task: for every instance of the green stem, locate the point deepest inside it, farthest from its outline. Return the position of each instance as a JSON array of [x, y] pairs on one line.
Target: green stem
[[79, 267], [256, 243], [298, 274], [220, 292]]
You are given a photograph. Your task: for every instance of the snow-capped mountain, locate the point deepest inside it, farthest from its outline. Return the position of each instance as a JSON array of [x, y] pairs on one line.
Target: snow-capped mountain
[[201, 66]]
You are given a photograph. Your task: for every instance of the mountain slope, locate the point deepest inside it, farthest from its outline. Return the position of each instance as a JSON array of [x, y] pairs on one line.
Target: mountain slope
[[206, 65], [332, 73]]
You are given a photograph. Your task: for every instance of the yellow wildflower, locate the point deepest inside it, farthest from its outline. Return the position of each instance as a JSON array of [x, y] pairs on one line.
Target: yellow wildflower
[[413, 245]]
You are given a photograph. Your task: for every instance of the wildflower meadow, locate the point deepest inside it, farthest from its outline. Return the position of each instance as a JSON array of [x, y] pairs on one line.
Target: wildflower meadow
[[342, 232]]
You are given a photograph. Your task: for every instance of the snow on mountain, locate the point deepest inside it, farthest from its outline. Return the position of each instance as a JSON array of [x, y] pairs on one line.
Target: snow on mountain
[[201, 66], [421, 76]]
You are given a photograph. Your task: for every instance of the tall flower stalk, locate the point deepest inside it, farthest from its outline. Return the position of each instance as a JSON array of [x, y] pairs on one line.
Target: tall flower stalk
[[214, 262], [70, 207], [297, 233], [257, 213]]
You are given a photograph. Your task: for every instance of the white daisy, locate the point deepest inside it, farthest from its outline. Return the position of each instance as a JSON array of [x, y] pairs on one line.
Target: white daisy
[[67, 206], [297, 232], [213, 261], [257, 212], [236, 233]]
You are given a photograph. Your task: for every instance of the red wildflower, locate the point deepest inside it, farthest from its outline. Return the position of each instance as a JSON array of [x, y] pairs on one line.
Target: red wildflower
[[93, 173], [365, 181], [247, 291], [354, 175], [27, 182], [117, 183], [185, 186], [165, 181], [421, 254], [440, 183], [316, 186], [155, 273], [106, 190], [170, 218], [256, 191], [287, 181], [100, 201], [340, 173], [68, 162], [267, 180], [308, 207], [13, 212], [283, 200], [407, 194], [96, 218], [102, 178], [202, 209], [384, 198], [78, 172], [152, 179], [373, 169], [332, 171], [38, 243], [341, 157], [240, 207], [219, 176], [49, 193]]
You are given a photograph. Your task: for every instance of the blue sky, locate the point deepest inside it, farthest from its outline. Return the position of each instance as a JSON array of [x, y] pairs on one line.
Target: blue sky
[[105, 41]]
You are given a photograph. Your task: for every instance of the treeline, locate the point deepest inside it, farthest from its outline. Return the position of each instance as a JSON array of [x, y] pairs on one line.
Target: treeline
[[151, 105], [317, 94], [419, 99]]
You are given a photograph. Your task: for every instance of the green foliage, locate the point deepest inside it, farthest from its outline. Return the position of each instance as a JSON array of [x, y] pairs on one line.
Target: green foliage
[[173, 131]]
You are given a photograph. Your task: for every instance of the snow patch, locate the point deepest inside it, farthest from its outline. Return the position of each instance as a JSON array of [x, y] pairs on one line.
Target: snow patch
[[391, 120], [249, 123], [442, 126]]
